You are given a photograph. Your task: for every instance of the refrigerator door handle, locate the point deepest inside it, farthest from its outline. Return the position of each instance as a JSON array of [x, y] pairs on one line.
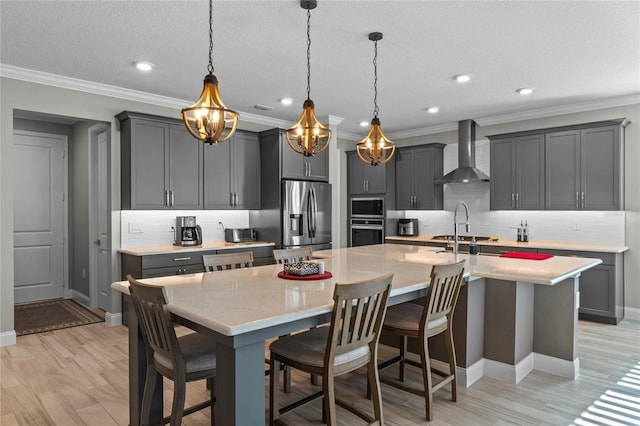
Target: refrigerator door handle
[[309, 219], [314, 219]]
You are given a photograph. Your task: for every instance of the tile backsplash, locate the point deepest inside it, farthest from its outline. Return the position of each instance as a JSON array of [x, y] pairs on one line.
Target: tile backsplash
[[154, 227], [605, 227]]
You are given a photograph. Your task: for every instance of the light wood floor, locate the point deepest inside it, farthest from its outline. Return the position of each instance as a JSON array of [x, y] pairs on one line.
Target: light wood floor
[[78, 376]]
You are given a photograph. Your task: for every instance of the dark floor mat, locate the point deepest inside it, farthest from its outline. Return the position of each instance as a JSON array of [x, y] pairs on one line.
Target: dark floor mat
[[50, 315]]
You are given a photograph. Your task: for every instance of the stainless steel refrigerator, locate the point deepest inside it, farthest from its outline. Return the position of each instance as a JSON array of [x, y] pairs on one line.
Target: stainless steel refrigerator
[[303, 216]]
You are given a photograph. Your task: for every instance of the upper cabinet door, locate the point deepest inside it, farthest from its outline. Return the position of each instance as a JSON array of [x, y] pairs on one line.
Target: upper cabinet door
[[404, 179], [376, 178], [218, 193], [148, 166], [503, 154], [562, 170], [185, 169], [529, 173], [600, 160], [245, 175]]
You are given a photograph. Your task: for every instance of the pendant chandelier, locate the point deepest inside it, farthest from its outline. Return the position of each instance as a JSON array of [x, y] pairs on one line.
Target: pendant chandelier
[[308, 136], [208, 119], [375, 148]]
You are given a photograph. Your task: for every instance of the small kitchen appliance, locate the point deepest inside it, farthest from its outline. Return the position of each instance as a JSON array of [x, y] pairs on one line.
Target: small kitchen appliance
[[187, 233], [408, 227], [239, 235]]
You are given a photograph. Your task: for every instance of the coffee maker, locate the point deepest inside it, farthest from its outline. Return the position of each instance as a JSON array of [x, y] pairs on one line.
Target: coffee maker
[[187, 233]]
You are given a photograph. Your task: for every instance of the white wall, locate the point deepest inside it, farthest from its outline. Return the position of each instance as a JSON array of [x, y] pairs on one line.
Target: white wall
[[145, 227]]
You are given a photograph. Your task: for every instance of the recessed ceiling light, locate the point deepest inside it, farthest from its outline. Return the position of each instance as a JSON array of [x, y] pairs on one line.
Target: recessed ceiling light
[[462, 78], [433, 109], [286, 101], [364, 123], [525, 91], [144, 66]]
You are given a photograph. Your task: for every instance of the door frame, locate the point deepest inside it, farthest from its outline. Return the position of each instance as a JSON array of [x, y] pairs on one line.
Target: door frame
[[64, 139], [94, 131]]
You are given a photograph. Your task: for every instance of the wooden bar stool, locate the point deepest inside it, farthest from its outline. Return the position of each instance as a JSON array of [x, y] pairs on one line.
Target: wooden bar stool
[[348, 343], [422, 322], [221, 262], [292, 255], [181, 359]]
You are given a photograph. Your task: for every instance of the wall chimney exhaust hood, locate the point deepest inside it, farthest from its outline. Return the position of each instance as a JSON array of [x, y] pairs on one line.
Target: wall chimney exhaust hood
[[466, 171]]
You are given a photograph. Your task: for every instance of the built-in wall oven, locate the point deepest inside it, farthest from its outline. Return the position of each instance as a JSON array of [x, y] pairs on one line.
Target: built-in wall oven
[[366, 224], [365, 232]]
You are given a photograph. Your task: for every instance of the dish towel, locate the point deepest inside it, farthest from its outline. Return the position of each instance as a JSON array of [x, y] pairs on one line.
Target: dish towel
[[523, 255]]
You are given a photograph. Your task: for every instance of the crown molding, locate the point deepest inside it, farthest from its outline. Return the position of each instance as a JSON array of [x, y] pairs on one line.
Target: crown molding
[[561, 110], [39, 77], [33, 76]]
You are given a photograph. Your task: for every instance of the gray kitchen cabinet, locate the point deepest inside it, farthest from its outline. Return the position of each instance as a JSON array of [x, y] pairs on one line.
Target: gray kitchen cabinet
[[298, 167], [278, 157], [183, 261], [416, 170], [161, 164], [363, 178], [601, 287], [517, 173], [232, 173], [584, 169]]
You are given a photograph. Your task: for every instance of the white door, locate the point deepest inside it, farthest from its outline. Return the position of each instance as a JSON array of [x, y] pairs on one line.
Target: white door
[[101, 217], [39, 202]]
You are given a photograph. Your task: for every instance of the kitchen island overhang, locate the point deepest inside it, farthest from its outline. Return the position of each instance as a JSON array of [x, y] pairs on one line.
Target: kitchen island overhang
[[518, 315]]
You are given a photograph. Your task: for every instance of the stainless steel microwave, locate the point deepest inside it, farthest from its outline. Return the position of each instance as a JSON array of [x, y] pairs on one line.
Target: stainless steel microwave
[[367, 207]]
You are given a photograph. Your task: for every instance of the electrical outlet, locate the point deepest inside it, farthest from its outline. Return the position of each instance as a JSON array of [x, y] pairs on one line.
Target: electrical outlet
[[135, 228], [577, 226]]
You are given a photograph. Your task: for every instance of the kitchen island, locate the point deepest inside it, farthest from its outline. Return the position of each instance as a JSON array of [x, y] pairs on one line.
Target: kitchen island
[[528, 312]]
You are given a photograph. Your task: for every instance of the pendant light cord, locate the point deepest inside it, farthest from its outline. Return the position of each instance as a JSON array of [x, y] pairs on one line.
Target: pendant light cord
[[308, 53], [210, 67], [375, 79]]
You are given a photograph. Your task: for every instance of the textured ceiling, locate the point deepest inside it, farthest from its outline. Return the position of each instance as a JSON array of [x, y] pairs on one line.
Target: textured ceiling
[[570, 52]]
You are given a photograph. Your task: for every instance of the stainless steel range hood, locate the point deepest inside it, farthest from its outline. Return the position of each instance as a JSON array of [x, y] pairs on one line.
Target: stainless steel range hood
[[466, 171]]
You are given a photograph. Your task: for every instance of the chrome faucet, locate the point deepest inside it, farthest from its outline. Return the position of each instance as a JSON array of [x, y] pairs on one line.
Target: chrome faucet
[[456, 223]]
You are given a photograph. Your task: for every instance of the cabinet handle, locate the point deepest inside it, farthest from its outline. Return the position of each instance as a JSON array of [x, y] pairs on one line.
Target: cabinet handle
[[172, 198], [181, 259], [513, 202], [364, 185], [367, 185], [583, 198], [517, 200], [166, 198], [235, 199], [577, 200]]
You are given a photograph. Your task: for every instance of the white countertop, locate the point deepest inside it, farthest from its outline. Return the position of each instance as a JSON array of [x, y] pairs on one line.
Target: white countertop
[[505, 242], [241, 300], [171, 248]]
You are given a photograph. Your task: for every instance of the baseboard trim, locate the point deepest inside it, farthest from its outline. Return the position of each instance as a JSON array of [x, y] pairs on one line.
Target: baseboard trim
[[7, 338], [557, 366], [471, 374], [632, 313], [113, 319], [507, 372]]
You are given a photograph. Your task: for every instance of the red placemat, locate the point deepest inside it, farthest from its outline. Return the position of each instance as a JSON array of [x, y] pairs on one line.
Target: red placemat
[[286, 276], [523, 255]]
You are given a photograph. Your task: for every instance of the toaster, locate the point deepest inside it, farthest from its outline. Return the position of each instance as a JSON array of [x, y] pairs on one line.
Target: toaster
[[239, 235], [408, 227]]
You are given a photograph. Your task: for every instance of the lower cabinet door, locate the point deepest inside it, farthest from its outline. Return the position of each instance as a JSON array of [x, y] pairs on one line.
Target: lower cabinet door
[[597, 295]]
